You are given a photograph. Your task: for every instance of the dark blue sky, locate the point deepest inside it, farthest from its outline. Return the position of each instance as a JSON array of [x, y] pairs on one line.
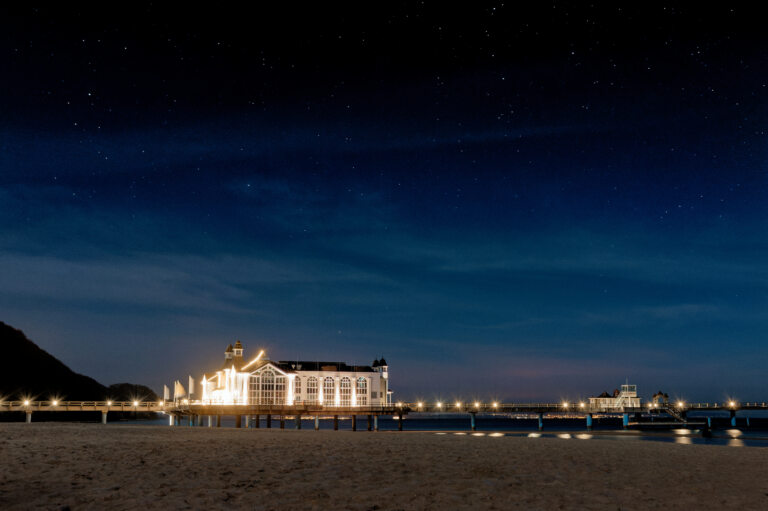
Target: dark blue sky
[[518, 203]]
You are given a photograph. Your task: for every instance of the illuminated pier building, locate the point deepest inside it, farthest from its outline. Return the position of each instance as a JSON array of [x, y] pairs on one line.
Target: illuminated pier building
[[265, 382]]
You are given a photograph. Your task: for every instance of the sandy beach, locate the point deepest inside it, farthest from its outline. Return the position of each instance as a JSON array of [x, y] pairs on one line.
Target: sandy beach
[[89, 466]]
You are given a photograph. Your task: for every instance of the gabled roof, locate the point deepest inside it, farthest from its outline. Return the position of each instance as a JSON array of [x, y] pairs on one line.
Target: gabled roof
[[257, 366]]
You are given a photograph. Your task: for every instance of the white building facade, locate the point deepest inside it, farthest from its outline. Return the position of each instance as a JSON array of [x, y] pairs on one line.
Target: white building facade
[[262, 382]]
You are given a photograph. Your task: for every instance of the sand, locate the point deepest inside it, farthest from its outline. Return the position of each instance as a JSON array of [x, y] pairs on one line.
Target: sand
[[90, 466]]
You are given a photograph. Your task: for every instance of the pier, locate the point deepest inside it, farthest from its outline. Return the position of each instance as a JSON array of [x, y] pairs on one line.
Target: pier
[[196, 413]]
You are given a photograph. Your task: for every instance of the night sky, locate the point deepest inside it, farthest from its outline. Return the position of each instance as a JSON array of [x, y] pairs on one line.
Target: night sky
[[505, 202]]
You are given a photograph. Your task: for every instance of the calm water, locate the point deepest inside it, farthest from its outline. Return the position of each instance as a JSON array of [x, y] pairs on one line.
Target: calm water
[[604, 429]]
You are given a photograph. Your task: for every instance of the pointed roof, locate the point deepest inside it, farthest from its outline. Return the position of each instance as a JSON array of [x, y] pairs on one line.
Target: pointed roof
[[229, 349], [238, 345]]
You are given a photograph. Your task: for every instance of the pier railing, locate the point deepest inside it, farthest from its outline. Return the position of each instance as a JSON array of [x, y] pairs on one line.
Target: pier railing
[[184, 405]]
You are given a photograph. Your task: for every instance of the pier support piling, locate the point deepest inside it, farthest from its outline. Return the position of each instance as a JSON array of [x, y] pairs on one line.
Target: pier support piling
[[29, 417], [258, 421], [733, 418], [625, 421], [400, 421], [210, 421], [247, 421], [190, 420], [269, 420], [335, 422], [541, 421], [472, 423], [375, 422], [238, 421], [103, 416], [218, 421], [317, 423], [709, 422], [370, 419], [589, 422], [282, 421], [354, 423], [298, 422], [170, 420], [747, 421]]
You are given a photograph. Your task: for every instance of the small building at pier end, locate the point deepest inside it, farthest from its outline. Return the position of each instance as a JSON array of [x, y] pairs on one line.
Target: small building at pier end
[[625, 398], [259, 381]]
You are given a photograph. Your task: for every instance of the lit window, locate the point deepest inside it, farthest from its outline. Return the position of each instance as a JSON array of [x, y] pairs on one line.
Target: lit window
[[297, 390], [329, 392], [362, 391], [312, 390], [345, 392]]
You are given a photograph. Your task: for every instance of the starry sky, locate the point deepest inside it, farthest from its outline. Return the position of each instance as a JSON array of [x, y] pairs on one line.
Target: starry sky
[[505, 201]]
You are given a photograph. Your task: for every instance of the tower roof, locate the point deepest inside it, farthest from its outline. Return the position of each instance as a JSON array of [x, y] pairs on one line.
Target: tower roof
[[229, 349], [238, 345]]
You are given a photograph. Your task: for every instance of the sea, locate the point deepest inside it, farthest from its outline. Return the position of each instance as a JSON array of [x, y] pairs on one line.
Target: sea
[[754, 434]]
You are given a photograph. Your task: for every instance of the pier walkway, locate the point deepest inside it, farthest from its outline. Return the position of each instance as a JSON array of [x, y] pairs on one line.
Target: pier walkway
[[194, 411]]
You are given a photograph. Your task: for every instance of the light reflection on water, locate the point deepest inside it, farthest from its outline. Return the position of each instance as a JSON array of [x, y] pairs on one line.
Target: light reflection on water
[[733, 433], [679, 436]]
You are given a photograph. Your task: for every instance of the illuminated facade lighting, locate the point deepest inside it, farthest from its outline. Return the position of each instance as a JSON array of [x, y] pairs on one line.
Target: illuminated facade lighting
[[287, 383]]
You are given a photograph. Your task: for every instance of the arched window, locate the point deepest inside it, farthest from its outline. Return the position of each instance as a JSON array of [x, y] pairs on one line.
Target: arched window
[[329, 392], [362, 392], [312, 390], [345, 391], [297, 390], [267, 388]]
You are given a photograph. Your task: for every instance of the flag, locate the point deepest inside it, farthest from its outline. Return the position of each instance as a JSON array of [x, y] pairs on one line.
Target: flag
[[178, 390], [166, 393], [191, 386]]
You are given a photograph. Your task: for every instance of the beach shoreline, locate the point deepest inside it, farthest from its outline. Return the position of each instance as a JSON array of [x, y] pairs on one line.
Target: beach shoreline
[[90, 466]]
